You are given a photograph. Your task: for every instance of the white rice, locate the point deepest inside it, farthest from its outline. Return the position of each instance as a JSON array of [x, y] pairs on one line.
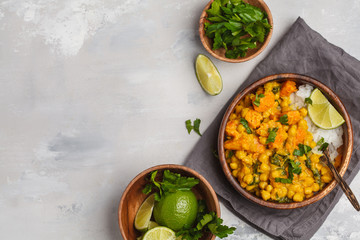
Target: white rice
[[333, 136]]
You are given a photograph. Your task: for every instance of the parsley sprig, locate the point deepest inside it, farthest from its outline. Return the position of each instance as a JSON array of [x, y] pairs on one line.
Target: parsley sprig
[[284, 119], [272, 135]]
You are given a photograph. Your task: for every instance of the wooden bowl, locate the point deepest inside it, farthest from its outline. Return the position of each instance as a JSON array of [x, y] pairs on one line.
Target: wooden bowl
[[347, 138], [133, 197], [220, 53]]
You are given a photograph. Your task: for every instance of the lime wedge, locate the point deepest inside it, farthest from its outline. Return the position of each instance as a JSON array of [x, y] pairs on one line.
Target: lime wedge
[[208, 75], [160, 233], [143, 215], [322, 113]]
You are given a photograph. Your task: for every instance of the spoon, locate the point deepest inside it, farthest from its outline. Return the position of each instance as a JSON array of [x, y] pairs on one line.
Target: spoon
[[344, 186]]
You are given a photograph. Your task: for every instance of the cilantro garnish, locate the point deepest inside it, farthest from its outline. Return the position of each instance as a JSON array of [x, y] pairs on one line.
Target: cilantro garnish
[[246, 125], [308, 100], [195, 127], [293, 167], [323, 146], [284, 119], [320, 142], [276, 89], [272, 135], [256, 102], [170, 183], [303, 149], [236, 26]]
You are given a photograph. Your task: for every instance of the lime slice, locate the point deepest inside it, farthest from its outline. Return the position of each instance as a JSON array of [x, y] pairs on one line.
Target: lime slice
[[160, 233], [143, 215], [152, 224], [322, 113], [208, 75]]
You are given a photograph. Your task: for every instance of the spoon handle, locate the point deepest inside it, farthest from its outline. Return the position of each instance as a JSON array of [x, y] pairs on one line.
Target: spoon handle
[[345, 187]]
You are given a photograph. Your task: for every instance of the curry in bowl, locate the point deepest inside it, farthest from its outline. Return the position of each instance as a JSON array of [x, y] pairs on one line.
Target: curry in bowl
[[273, 149]]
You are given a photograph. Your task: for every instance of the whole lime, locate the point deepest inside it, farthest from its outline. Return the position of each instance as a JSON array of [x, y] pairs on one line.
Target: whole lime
[[176, 210]]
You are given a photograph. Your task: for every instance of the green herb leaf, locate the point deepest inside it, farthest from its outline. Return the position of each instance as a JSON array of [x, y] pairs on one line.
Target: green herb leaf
[[272, 135], [308, 100], [195, 127], [284, 119], [246, 125], [320, 142], [173, 182], [283, 180], [256, 102], [303, 149], [323, 146], [284, 200], [276, 89]]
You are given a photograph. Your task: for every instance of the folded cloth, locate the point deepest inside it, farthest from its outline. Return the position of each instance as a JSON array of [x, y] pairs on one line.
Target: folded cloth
[[302, 51]]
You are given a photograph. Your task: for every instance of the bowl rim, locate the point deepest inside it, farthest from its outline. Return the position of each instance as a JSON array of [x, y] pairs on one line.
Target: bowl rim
[[334, 99], [241, 59], [163, 167]]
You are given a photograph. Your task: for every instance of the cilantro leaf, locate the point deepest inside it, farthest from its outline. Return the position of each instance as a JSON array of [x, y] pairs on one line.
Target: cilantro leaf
[[303, 149], [283, 180], [195, 127], [276, 89], [323, 146], [320, 142], [272, 135], [308, 100], [257, 99], [284, 119], [230, 21], [246, 125], [218, 229]]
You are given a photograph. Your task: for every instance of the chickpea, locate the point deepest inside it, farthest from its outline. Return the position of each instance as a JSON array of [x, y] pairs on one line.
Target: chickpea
[[264, 167], [275, 174], [240, 128], [232, 116], [303, 124], [308, 190], [303, 112], [264, 177], [263, 185], [298, 197], [263, 158], [269, 188], [247, 160], [240, 154], [292, 131], [233, 165], [265, 195], [243, 184], [263, 140], [238, 108], [248, 178], [244, 111], [235, 173], [250, 188], [315, 187], [326, 178], [324, 170], [246, 170], [290, 194]]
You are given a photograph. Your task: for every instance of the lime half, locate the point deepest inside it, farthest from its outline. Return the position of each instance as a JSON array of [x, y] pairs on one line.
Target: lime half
[[143, 215], [208, 75], [322, 113], [160, 233]]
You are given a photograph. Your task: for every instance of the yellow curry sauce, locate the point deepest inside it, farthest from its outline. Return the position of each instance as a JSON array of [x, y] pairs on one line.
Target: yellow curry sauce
[[268, 146]]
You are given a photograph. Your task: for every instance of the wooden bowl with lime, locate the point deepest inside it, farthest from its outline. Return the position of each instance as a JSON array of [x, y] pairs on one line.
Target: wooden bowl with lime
[[135, 197], [325, 110]]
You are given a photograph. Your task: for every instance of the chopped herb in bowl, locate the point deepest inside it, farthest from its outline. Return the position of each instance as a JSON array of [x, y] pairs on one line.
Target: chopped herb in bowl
[[236, 26]]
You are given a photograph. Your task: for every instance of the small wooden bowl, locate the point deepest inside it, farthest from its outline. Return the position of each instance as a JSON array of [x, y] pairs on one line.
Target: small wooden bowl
[[220, 53], [133, 197], [347, 138]]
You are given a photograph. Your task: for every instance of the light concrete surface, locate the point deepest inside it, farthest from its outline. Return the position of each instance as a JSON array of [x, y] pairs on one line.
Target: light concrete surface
[[93, 92]]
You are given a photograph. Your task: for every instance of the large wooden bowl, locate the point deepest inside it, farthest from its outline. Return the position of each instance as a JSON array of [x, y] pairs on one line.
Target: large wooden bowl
[[220, 53], [346, 148], [133, 197]]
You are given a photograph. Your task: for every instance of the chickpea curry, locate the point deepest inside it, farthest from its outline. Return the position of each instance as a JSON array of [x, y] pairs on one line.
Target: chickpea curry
[[268, 146]]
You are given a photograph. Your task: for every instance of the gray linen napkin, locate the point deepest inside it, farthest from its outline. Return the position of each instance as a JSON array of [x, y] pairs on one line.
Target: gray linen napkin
[[302, 51]]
